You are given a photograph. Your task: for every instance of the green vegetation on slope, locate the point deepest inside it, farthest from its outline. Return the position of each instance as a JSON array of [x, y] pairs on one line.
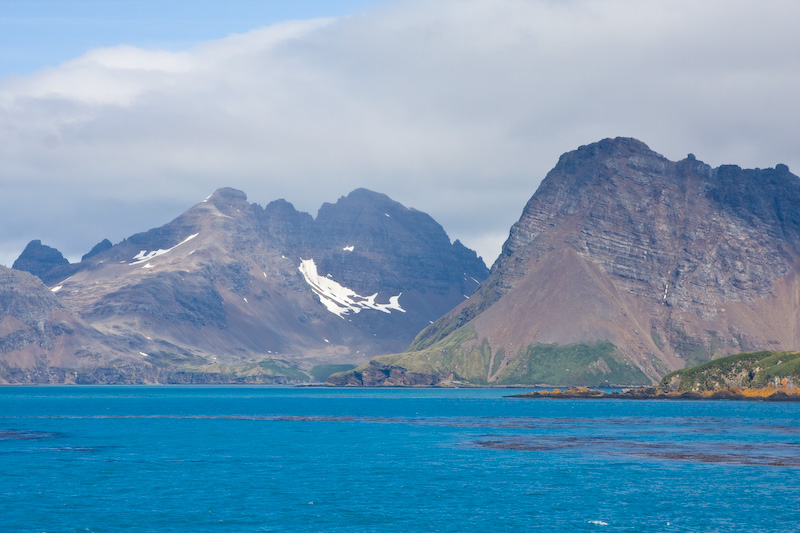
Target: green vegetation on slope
[[266, 371], [321, 372], [448, 355], [593, 364], [744, 370], [468, 358]]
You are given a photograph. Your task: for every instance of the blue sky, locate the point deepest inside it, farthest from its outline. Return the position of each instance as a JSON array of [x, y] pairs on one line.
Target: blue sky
[[40, 33], [117, 116]]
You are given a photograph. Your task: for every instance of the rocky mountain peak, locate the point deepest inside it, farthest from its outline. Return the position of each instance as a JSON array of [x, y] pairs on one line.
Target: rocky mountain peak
[[365, 225], [226, 200], [289, 229], [608, 148], [367, 196], [359, 203], [38, 259], [227, 194], [100, 247]]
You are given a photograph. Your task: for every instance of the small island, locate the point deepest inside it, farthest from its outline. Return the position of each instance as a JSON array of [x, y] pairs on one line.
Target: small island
[[753, 376]]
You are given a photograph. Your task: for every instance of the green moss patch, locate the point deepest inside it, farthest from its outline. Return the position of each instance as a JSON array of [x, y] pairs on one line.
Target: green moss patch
[[591, 364]]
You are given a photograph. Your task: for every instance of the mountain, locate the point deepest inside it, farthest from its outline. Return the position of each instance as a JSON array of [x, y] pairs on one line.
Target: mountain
[[42, 261], [232, 291], [624, 266], [43, 342], [101, 246]]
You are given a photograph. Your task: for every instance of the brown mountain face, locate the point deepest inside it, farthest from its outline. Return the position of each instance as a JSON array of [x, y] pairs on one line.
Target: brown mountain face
[[624, 266], [43, 342], [230, 291]]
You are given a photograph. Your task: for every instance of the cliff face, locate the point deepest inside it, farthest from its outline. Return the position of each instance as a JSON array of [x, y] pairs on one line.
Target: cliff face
[[669, 262], [231, 291]]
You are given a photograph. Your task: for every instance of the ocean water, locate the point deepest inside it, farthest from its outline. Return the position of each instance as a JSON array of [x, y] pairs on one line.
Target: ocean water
[[317, 459]]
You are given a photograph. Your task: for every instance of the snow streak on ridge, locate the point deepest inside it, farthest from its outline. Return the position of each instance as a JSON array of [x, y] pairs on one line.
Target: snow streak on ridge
[[340, 300], [144, 255]]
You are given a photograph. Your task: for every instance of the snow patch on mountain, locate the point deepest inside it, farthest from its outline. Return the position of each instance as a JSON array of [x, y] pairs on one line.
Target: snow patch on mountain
[[144, 256], [340, 300]]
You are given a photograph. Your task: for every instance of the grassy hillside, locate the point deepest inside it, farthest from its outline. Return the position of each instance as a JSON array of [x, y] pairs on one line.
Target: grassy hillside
[[267, 371], [753, 376], [752, 370], [595, 364], [462, 357], [447, 355]]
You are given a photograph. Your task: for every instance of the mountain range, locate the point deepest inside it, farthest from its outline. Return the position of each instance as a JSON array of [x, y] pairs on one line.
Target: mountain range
[[623, 266], [230, 291]]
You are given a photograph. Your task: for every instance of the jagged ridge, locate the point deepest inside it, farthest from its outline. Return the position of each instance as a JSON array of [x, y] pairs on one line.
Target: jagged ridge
[[220, 289]]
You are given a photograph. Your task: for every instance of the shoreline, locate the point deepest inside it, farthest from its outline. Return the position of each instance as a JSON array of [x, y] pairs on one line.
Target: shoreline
[[652, 393]]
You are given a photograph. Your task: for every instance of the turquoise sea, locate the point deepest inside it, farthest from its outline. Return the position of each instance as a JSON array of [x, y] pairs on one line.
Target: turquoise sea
[[318, 459]]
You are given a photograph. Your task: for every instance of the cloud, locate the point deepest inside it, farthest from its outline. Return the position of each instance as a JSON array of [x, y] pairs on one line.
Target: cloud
[[454, 107]]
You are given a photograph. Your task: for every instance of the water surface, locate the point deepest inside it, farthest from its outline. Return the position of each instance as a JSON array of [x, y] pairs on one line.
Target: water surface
[[312, 459]]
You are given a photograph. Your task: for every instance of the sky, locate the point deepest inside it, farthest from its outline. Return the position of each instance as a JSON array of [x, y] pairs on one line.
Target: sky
[[116, 116]]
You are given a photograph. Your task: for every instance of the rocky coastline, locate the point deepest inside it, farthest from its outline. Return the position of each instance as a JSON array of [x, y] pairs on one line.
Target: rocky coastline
[[767, 394]]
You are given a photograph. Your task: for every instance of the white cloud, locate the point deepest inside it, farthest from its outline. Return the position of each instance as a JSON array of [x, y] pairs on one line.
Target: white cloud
[[455, 107]]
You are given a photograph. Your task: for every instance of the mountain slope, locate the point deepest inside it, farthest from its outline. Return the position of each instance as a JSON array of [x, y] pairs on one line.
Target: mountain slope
[[624, 266], [754, 370], [41, 341], [228, 284]]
